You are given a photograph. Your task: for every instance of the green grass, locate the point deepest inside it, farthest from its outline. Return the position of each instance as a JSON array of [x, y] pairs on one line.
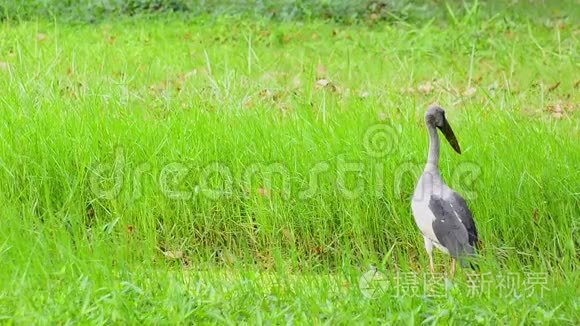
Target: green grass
[[163, 171]]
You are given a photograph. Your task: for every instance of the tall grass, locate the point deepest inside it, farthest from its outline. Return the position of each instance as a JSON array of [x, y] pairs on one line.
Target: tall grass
[[131, 150]]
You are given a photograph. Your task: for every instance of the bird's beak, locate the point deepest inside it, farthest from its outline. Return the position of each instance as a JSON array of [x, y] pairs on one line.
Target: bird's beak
[[448, 132]]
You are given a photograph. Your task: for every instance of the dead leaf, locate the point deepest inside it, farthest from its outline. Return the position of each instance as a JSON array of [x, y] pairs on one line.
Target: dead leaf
[[556, 110], [374, 17], [173, 255], [321, 83], [535, 216], [469, 92], [561, 24], [266, 93], [318, 250], [283, 107], [130, 228], [4, 65], [553, 87], [40, 37], [425, 88], [263, 192], [327, 84]]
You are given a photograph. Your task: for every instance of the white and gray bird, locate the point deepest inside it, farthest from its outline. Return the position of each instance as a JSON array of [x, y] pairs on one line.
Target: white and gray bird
[[442, 214]]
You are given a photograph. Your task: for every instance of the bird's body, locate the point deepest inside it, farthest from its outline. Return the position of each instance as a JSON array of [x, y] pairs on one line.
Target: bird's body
[[441, 214]]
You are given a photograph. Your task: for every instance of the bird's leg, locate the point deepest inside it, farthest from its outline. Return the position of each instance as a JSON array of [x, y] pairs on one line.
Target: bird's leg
[[453, 263], [429, 248]]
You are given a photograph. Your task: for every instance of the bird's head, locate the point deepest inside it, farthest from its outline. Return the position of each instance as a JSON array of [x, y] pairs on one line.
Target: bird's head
[[435, 117]]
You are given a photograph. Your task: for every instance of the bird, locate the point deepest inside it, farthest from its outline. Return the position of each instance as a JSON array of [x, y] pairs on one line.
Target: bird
[[441, 214]]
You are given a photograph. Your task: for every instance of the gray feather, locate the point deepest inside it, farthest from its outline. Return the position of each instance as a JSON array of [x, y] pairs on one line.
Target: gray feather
[[464, 213], [451, 232]]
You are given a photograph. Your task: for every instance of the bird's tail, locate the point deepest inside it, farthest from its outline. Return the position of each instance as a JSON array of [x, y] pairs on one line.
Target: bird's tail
[[466, 262], [468, 259]]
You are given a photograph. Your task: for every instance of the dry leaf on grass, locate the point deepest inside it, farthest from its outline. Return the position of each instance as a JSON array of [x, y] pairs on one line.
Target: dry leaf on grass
[[283, 107], [4, 66], [263, 192], [553, 87], [321, 71], [173, 254], [269, 94], [321, 83], [266, 93], [40, 37], [469, 92], [326, 84], [556, 110], [560, 109], [425, 88]]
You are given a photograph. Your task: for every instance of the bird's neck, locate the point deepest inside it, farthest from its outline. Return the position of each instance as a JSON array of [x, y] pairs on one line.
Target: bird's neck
[[433, 157]]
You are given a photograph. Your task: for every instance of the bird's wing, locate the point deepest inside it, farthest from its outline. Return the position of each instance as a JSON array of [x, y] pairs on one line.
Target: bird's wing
[[464, 214], [448, 227]]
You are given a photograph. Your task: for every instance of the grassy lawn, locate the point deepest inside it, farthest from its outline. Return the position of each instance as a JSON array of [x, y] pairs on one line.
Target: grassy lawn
[[227, 170]]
